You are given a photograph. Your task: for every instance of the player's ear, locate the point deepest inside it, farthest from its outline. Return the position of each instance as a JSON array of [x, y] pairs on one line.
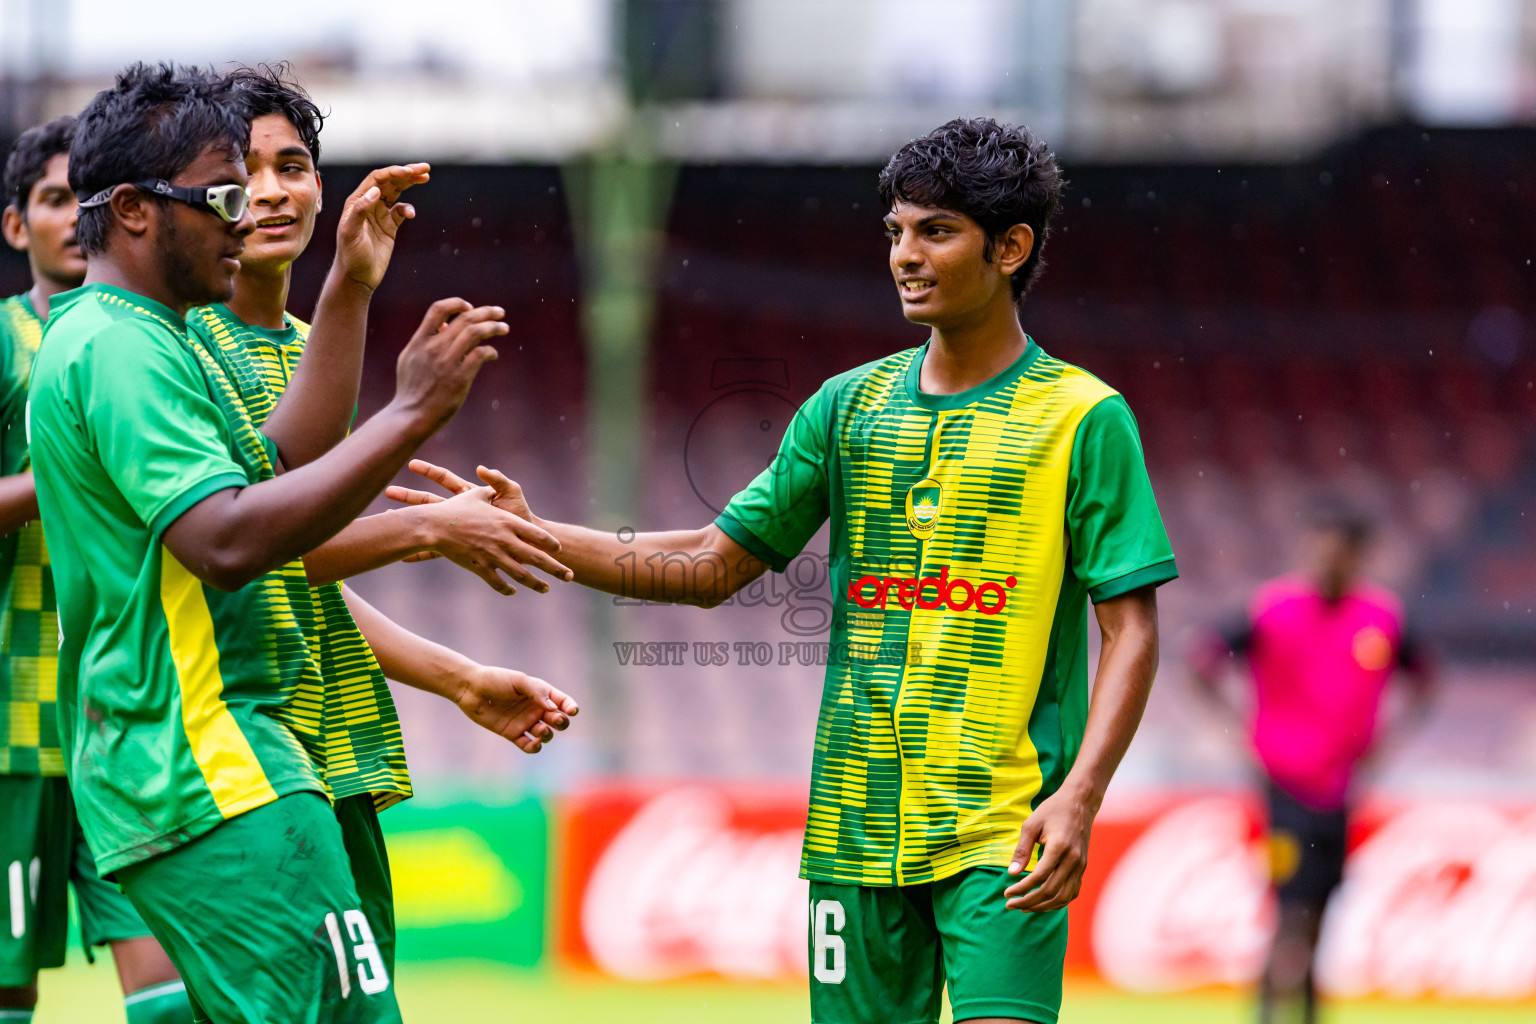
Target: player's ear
[[1012, 247], [14, 226], [133, 210], [319, 193]]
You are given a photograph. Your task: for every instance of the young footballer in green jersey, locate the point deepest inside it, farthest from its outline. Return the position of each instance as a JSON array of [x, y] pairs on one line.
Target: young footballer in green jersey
[[980, 493], [42, 850], [175, 542], [364, 765]]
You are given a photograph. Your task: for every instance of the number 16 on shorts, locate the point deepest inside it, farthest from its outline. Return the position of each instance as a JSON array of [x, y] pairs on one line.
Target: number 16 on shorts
[[372, 978], [829, 954]]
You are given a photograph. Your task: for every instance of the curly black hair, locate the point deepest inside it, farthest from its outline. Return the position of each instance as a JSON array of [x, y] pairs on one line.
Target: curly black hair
[[272, 89], [154, 121], [29, 158], [997, 174]]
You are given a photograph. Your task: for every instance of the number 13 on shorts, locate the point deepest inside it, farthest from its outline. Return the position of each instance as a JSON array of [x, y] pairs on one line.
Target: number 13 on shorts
[[829, 954], [372, 978]]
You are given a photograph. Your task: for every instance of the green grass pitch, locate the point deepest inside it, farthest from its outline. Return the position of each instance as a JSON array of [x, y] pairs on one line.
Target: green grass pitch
[[485, 993]]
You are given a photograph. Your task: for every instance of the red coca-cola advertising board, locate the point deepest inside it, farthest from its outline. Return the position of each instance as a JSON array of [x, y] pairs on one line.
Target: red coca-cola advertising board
[[1439, 898], [686, 880]]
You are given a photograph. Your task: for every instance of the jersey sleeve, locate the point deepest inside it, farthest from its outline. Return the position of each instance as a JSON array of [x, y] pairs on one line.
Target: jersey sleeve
[[152, 424], [1115, 533], [781, 510]]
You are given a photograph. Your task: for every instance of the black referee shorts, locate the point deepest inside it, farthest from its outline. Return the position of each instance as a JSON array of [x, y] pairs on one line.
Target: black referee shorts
[[1306, 850]]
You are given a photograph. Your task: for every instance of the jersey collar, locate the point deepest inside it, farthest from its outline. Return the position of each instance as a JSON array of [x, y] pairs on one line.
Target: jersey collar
[[282, 336], [924, 400]]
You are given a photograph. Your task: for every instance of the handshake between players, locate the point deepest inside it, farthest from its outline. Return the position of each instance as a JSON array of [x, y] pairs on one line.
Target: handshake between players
[[222, 706]]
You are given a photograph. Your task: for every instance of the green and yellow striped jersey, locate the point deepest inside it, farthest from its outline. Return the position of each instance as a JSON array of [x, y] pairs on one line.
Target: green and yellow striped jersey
[[180, 705], [358, 726], [967, 533], [29, 620]]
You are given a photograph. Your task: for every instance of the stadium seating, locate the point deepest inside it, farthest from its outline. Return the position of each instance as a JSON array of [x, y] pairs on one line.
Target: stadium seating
[[1359, 323]]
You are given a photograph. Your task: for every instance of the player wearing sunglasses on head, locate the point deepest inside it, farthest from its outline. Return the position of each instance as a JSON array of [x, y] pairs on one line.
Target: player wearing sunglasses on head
[[280, 373], [228, 201], [42, 850], [177, 545]]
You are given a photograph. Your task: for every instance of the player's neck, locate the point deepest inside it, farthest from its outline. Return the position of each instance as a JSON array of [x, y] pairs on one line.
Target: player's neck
[[43, 291], [261, 297], [140, 276], [1332, 591], [966, 355]]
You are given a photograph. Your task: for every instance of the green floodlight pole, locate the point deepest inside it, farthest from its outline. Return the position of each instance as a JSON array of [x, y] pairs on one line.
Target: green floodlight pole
[[619, 199]]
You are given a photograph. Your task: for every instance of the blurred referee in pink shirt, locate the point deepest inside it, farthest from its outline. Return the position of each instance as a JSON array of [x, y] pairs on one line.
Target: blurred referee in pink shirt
[[1321, 646]]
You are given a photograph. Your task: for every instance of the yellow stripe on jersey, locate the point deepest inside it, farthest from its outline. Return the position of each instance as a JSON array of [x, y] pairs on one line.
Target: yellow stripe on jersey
[[23, 721], [235, 777]]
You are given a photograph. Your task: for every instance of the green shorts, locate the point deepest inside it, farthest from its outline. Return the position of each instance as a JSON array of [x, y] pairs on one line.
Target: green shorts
[[263, 919], [42, 853], [882, 955], [364, 840]]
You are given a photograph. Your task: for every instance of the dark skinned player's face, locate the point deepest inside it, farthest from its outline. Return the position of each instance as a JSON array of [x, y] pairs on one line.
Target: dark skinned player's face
[[197, 250], [47, 231], [285, 194], [1332, 558], [938, 259]]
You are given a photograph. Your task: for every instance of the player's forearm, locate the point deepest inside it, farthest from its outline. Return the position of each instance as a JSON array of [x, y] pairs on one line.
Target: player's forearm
[[1127, 665], [408, 658], [317, 408], [370, 543], [697, 567], [18, 502], [235, 536]]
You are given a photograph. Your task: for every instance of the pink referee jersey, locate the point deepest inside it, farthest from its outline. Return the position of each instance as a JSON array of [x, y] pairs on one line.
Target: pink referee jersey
[[1319, 671]]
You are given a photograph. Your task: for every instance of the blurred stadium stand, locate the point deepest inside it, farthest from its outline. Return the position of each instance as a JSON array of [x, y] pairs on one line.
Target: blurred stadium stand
[[1356, 324], [1359, 324], [1298, 236]]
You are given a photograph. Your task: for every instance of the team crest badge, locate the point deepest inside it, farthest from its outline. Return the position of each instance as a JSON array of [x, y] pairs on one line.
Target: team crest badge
[[924, 501]]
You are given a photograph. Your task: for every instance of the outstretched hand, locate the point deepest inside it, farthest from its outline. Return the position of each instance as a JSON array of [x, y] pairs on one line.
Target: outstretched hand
[[365, 238], [437, 366], [522, 708], [506, 494], [1060, 826], [478, 531]]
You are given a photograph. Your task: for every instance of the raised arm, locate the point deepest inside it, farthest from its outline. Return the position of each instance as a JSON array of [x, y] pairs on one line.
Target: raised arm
[[1061, 825], [18, 501], [514, 705], [316, 409], [700, 567], [235, 535]]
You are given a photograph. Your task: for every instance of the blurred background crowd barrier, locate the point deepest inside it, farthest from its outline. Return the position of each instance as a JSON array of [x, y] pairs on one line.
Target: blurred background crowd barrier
[[1298, 236]]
